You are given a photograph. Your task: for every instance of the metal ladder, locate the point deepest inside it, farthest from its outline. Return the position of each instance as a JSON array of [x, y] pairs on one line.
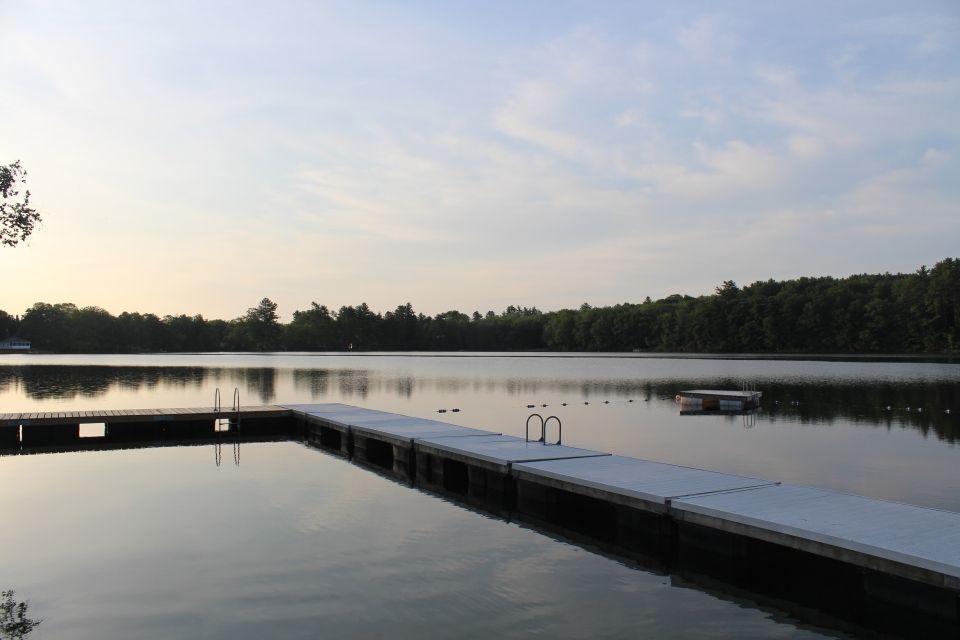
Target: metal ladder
[[232, 424], [543, 428]]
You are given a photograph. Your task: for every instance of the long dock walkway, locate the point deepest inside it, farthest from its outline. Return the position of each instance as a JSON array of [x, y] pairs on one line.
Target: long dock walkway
[[879, 558], [883, 555]]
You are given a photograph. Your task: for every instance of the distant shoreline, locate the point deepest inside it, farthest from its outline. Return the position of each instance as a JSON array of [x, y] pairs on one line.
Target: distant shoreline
[[818, 357]]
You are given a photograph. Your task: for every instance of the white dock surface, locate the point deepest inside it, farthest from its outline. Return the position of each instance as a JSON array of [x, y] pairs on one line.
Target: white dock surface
[[719, 393], [644, 479], [503, 451], [370, 422], [903, 533], [407, 428], [336, 412], [808, 518]]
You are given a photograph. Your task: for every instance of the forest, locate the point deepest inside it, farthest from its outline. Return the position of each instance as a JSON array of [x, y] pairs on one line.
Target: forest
[[887, 313]]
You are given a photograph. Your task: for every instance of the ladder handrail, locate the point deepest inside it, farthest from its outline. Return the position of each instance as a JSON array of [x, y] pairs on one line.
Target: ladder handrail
[[535, 415], [216, 401], [559, 429]]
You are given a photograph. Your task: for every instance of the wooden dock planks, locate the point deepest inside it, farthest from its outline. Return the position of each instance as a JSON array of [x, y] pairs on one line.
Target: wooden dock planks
[[138, 415]]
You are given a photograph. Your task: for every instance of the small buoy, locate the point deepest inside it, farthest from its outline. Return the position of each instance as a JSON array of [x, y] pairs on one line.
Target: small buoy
[[946, 411], [530, 406], [544, 404], [586, 403], [606, 402], [441, 410], [563, 404], [908, 409], [630, 400], [455, 410], [919, 409], [887, 408]]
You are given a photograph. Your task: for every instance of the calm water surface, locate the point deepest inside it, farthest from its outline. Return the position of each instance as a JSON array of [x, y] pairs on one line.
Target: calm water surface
[[294, 543]]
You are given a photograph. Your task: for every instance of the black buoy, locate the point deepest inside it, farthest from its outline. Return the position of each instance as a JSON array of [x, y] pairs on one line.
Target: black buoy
[[530, 406], [455, 410]]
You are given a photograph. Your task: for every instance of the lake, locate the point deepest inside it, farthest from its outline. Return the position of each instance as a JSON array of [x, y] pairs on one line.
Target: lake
[[292, 542]]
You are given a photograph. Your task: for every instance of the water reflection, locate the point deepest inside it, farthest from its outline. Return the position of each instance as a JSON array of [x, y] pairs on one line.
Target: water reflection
[[930, 407], [260, 382], [218, 449], [56, 382]]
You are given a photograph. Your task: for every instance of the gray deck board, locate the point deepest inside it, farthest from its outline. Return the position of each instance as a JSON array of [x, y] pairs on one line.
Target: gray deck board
[[336, 413], [655, 482], [383, 425], [501, 452], [902, 533], [409, 429]]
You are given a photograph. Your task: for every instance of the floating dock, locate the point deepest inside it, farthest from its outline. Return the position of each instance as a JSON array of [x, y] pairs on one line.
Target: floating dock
[[714, 400], [874, 561], [882, 562]]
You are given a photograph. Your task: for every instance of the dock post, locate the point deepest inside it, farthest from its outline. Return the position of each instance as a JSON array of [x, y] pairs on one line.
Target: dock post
[[10, 436], [49, 434]]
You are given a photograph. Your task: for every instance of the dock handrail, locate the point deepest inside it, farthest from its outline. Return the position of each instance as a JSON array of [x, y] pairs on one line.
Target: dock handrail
[[559, 429], [542, 426], [234, 420], [236, 410]]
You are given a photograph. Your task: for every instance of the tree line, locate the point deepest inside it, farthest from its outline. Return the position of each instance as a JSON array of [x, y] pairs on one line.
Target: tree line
[[886, 313]]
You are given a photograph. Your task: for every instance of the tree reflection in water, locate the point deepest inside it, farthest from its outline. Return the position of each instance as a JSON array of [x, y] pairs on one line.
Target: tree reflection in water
[[929, 407], [14, 623]]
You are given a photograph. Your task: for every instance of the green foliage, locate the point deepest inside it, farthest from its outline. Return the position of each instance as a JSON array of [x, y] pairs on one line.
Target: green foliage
[[17, 218], [902, 313], [14, 623], [258, 329], [8, 325]]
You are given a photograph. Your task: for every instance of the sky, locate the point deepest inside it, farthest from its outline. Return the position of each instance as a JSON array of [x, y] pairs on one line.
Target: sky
[[197, 156]]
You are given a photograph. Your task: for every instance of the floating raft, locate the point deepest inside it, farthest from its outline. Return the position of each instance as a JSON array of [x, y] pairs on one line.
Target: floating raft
[[718, 400]]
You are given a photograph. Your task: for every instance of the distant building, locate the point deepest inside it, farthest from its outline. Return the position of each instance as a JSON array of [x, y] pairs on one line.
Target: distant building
[[15, 344]]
